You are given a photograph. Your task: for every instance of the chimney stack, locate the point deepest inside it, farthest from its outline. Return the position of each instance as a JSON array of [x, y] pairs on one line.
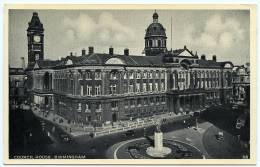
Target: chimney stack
[[214, 58], [126, 52], [203, 57], [71, 54], [90, 50], [83, 52], [111, 51], [23, 63]]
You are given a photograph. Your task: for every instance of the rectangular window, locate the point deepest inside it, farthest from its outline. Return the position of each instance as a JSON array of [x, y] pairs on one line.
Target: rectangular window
[[138, 75], [150, 87], [125, 88], [139, 102], [156, 87], [88, 76], [71, 86], [87, 110], [131, 75], [162, 75], [163, 100], [89, 90], [113, 76], [113, 89], [17, 83], [145, 101], [157, 75], [79, 107], [88, 118], [162, 86], [114, 104], [151, 100], [98, 106], [125, 75], [97, 75], [138, 87], [132, 102], [131, 88], [126, 103], [98, 117], [37, 56], [149, 75], [144, 75], [157, 100], [144, 87], [80, 76], [81, 90], [98, 90]]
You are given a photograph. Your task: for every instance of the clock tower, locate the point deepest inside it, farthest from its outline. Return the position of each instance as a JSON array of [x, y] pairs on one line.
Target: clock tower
[[35, 38]]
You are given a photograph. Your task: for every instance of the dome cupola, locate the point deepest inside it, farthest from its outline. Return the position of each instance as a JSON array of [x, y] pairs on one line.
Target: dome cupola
[[155, 37]]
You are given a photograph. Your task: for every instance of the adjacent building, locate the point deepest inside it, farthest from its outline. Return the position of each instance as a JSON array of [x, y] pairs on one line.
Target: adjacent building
[[96, 88], [241, 83], [17, 86]]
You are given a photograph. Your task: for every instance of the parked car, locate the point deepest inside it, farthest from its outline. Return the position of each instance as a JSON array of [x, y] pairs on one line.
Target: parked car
[[129, 133], [220, 136], [241, 120], [65, 138], [235, 107]]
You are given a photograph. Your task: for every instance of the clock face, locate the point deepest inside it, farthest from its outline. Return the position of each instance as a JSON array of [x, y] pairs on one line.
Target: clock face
[[37, 38]]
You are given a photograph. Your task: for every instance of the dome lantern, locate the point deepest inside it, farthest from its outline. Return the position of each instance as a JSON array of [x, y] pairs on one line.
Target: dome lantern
[[155, 17]]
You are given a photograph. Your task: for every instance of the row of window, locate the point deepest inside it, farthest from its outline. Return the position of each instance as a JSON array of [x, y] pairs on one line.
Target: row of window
[[144, 101], [131, 103], [213, 95], [113, 88], [155, 43], [115, 75], [145, 87]]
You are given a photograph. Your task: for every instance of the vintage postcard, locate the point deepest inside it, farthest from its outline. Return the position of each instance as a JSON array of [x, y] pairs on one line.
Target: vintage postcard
[[130, 84]]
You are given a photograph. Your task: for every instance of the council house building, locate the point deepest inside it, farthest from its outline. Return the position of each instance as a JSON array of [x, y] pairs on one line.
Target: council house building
[[96, 88]]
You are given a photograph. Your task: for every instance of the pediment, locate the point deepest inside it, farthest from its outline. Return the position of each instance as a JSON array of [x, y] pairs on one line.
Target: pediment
[[114, 61], [185, 53], [69, 62]]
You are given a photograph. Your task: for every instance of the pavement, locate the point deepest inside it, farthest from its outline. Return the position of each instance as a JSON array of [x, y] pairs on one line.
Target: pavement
[[120, 126]]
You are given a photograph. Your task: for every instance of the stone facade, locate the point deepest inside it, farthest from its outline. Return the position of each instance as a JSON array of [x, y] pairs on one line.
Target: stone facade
[[96, 89]]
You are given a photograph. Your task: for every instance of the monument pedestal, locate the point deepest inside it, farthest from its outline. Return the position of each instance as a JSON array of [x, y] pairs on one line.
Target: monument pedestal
[[158, 150]]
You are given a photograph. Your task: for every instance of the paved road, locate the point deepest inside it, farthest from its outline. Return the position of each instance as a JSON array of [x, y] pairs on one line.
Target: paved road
[[96, 147]]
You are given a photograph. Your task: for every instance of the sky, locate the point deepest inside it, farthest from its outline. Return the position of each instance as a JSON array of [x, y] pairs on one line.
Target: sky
[[224, 33]]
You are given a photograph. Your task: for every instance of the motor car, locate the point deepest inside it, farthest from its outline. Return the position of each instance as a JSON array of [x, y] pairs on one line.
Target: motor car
[[220, 136], [240, 123], [65, 138], [129, 133], [235, 107]]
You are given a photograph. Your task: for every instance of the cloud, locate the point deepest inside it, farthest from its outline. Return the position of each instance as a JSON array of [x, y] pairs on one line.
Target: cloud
[[106, 30], [218, 32]]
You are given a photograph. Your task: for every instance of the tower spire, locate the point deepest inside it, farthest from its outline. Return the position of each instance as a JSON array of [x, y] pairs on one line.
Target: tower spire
[[155, 17]]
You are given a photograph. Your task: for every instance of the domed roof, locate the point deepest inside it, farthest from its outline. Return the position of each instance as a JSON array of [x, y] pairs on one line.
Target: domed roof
[[155, 28]]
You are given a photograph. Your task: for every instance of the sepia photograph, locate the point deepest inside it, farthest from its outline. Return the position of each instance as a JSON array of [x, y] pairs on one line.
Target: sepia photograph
[[157, 84]]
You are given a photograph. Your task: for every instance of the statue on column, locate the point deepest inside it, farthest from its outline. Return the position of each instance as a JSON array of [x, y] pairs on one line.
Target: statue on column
[[158, 127]]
